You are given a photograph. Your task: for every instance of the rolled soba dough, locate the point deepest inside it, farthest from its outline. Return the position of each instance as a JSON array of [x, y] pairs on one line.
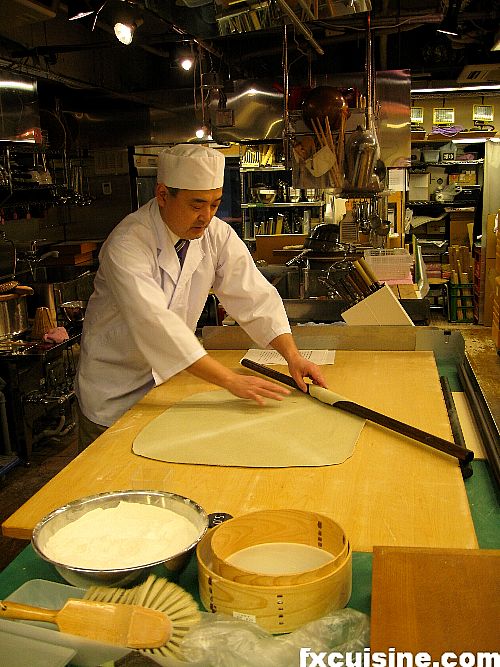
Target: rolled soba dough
[[216, 428]]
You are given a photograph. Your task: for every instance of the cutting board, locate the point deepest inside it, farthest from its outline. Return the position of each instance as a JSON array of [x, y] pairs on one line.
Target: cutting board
[[435, 600]]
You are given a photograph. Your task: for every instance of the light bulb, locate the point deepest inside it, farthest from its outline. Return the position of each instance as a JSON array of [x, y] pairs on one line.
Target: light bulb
[[200, 133], [186, 64], [124, 33]]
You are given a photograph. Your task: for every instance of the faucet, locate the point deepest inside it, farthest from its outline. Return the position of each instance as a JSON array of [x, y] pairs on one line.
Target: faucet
[[304, 268]]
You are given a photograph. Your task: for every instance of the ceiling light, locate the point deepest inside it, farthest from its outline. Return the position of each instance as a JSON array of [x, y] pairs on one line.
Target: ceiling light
[[124, 32], [496, 42], [449, 25], [78, 9], [204, 132], [456, 89], [126, 21], [187, 63]]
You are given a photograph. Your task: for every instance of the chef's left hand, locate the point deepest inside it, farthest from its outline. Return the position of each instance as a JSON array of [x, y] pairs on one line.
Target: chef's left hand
[[301, 368]]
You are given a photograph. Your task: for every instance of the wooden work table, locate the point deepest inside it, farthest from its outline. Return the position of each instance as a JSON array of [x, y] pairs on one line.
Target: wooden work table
[[392, 491]]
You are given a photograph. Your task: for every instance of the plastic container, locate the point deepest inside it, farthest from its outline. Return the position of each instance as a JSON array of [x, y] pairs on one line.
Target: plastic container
[[390, 265], [431, 155]]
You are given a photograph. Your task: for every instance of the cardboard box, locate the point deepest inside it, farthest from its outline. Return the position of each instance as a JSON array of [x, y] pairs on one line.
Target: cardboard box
[[419, 187], [491, 238], [489, 292], [379, 309], [459, 231]]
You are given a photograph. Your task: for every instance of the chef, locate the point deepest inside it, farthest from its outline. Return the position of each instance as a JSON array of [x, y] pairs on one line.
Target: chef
[[156, 269]]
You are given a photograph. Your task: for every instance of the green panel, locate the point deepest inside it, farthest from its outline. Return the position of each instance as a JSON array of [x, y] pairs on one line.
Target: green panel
[[484, 505]]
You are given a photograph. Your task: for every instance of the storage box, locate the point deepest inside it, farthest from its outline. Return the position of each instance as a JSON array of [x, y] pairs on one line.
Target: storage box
[[489, 291], [380, 308], [431, 155], [392, 265], [419, 187]]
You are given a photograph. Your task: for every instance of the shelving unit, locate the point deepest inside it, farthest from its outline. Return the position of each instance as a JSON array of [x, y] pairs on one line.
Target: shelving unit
[[34, 178], [262, 165]]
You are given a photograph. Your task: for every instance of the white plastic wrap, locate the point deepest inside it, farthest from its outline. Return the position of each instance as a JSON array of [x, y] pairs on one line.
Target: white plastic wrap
[[222, 641]]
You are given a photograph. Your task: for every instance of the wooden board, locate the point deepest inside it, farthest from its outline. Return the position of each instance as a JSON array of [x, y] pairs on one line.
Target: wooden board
[[391, 491], [471, 434], [435, 600]]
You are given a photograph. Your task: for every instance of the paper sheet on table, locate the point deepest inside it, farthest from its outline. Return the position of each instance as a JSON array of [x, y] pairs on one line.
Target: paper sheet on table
[[271, 357], [216, 428]]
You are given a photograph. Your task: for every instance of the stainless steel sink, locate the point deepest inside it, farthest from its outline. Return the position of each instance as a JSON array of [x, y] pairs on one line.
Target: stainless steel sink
[[313, 310], [316, 307]]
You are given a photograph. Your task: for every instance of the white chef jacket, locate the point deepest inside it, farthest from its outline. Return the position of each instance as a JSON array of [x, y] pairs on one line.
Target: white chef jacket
[[140, 320]]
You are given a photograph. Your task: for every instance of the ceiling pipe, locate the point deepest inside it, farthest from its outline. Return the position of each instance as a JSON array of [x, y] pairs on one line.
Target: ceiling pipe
[[300, 26]]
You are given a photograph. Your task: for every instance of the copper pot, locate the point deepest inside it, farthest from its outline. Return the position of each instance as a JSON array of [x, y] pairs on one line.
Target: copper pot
[[324, 102]]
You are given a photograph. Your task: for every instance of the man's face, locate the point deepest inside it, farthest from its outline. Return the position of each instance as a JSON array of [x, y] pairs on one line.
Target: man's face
[[189, 212]]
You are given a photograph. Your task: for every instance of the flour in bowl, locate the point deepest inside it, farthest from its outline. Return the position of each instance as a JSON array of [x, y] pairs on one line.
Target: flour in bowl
[[128, 535]]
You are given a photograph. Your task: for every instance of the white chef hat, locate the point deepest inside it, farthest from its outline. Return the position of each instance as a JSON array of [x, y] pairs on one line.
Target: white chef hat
[[191, 167]]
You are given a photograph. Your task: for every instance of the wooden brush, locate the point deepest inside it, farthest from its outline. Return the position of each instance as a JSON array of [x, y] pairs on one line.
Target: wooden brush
[[160, 595], [133, 626]]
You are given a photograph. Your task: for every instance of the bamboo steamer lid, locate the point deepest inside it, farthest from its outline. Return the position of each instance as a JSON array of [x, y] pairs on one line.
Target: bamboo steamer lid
[[277, 608], [293, 527]]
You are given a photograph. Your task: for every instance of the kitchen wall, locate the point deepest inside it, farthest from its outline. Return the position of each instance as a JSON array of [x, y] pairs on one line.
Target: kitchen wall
[[463, 109]]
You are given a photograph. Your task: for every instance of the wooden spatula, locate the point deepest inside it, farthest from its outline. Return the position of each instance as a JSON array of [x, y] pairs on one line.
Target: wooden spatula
[[122, 624]]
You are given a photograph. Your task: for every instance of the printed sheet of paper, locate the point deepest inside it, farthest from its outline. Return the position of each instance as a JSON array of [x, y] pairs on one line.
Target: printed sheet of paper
[[216, 428], [271, 357]]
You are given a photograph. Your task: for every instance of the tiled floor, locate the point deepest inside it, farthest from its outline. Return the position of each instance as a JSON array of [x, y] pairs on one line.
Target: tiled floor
[[50, 457]]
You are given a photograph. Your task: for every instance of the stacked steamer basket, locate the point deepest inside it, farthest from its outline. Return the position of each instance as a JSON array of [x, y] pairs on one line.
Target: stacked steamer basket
[[277, 568]]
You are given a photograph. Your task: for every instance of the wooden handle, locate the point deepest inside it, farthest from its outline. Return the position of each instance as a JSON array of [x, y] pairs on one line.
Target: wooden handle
[[270, 372], [368, 270], [405, 429], [365, 413], [24, 289], [25, 612]]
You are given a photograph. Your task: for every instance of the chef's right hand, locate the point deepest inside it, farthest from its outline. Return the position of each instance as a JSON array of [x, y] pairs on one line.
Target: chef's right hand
[[244, 386]]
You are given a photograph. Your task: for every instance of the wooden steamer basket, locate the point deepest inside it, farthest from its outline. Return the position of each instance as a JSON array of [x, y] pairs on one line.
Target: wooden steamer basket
[[285, 602]]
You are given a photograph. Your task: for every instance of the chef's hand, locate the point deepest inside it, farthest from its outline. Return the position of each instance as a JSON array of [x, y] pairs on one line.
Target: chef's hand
[[301, 368], [243, 386], [255, 388]]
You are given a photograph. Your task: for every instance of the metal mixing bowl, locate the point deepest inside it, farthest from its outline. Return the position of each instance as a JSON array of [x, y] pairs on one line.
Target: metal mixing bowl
[[263, 195], [66, 514], [74, 310]]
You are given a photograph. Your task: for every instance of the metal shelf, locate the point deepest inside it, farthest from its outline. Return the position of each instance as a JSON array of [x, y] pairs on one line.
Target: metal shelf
[[284, 204], [278, 167]]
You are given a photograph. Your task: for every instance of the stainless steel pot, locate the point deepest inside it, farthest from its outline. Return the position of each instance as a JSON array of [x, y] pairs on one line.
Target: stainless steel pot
[[13, 315]]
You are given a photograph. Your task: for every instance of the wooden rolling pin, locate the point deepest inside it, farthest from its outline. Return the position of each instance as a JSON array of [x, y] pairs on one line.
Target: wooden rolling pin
[[336, 401]]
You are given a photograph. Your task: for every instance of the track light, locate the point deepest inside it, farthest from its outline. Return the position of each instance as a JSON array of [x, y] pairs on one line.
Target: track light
[[126, 20], [449, 25], [124, 30], [78, 9]]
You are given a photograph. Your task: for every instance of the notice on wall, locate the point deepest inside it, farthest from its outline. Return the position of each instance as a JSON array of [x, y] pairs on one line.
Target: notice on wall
[[398, 180]]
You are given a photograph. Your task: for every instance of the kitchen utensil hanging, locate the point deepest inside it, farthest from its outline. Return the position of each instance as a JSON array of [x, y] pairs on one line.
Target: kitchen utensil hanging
[[362, 147]]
